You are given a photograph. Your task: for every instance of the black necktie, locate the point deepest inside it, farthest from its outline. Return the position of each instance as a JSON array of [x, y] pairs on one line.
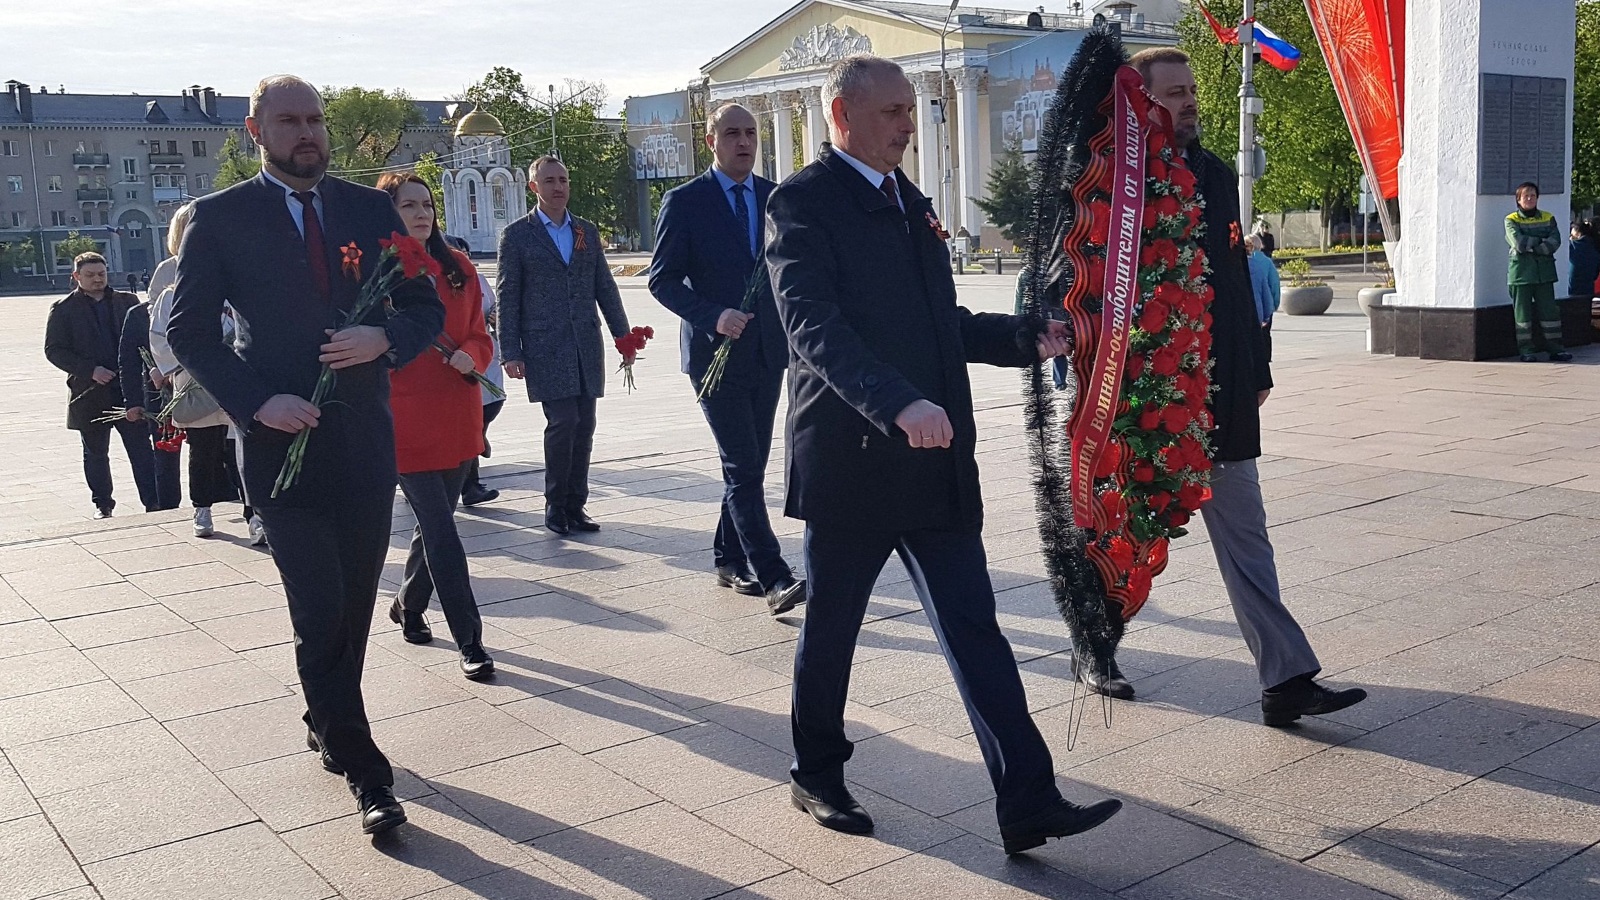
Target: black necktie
[[316, 251], [742, 213], [891, 189]]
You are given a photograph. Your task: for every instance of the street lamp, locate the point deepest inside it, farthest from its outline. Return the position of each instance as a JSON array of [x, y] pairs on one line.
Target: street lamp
[[941, 119], [553, 106]]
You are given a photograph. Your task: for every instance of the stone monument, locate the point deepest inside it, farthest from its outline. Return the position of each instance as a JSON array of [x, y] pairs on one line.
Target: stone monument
[[1488, 106]]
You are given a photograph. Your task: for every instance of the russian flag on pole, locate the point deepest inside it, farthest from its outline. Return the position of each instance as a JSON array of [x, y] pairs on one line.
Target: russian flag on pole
[[1275, 51]]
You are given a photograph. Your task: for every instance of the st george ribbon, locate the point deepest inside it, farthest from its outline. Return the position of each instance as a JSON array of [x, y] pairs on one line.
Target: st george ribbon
[[1121, 290]]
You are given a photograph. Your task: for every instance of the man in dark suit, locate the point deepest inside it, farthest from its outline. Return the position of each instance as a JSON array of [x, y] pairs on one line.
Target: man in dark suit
[[552, 288], [271, 248], [81, 338], [1236, 517], [881, 449], [708, 242]]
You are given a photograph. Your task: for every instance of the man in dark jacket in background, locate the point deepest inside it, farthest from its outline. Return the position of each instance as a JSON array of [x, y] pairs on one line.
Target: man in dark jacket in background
[[881, 442], [1236, 517], [144, 400], [81, 338]]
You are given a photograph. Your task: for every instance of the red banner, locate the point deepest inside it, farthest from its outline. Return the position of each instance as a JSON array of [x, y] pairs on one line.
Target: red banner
[[1363, 43], [1103, 393]]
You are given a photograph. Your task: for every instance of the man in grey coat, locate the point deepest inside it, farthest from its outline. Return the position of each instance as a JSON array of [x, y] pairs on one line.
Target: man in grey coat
[[553, 286]]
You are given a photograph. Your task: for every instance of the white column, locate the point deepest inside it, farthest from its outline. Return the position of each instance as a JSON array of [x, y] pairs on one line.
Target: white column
[[783, 133], [757, 107], [969, 183], [816, 128], [926, 85]]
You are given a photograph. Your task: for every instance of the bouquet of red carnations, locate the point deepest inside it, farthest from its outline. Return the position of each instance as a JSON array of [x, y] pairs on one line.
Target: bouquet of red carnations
[[629, 346]]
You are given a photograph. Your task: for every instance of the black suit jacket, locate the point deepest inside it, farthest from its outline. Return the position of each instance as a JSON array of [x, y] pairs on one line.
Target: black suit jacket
[[869, 305], [1237, 342], [701, 264], [242, 248], [76, 339], [132, 373]]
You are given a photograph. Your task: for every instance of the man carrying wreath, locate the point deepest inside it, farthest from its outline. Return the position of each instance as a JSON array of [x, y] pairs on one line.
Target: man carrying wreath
[[271, 248]]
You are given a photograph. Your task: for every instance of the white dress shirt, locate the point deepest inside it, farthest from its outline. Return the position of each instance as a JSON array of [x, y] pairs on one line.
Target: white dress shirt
[[297, 211], [873, 176]]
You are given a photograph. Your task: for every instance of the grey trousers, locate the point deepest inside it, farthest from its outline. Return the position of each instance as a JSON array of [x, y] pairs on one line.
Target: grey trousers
[[1236, 519]]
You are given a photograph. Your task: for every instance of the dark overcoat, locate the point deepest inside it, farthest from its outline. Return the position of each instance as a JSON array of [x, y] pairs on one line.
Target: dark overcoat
[[868, 303], [549, 310], [1237, 342], [76, 340]]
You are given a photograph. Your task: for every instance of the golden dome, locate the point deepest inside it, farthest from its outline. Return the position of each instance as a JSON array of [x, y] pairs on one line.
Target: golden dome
[[479, 122]]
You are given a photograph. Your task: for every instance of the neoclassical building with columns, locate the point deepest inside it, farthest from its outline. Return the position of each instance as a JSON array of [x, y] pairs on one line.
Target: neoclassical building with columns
[[990, 82]]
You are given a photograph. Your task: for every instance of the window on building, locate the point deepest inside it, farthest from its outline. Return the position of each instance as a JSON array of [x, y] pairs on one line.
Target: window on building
[[200, 182], [81, 148], [200, 149], [105, 217], [99, 181], [130, 169], [10, 148], [131, 194], [472, 205], [83, 181], [180, 180], [18, 220], [158, 180], [172, 148], [58, 218], [497, 193], [135, 229], [54, 185], [99, 147], [49, 148], [14, 183]]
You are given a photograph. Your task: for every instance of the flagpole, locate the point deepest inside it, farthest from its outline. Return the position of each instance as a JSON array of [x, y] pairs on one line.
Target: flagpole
[[1249, 107]]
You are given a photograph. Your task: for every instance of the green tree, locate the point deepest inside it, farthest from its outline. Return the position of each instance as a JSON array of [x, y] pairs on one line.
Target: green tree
[[1311, 159], [429, 170], [15, 255], [364, 128], [233, 164], [74, 243], [591, 149], [1586, 108], [1010, 202]]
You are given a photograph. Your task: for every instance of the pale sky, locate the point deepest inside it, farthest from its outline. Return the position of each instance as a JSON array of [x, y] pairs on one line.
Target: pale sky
[[431, 49]]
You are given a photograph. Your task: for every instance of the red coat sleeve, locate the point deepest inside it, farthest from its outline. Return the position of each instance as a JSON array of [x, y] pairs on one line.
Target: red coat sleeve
[[475, 340]]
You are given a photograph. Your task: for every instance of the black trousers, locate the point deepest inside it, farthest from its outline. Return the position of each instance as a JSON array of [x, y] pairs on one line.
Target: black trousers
[[331, 556], [950, 572], [741, 414], [96, 437], [168, 470], [568, 443], [437, 560], [490, 412], [213, 471]]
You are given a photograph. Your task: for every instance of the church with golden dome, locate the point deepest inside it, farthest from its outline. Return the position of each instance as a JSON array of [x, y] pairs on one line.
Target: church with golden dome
[[483, 191]]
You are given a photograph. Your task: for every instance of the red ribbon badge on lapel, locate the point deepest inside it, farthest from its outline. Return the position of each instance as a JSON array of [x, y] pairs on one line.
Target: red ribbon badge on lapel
[[933, 222]]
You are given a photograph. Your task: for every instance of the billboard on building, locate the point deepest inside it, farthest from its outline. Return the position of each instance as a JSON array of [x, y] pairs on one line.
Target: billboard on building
[[660, 136], [1022, 81]]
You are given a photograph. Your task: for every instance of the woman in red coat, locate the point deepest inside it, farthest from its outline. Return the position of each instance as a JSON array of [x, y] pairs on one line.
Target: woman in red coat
[[438, 432]]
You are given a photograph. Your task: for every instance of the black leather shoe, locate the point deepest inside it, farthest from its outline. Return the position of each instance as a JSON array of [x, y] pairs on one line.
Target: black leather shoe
[[1527, 357], [1302, 696], [102, 512], [315, 746], [1062, 820], [1561, 356], [1110, 684], [785, 594], [477, 493], [580, 521], [413, 626], [740, 579], [475, 662], [379, 810], [832, 808], [556, 521]]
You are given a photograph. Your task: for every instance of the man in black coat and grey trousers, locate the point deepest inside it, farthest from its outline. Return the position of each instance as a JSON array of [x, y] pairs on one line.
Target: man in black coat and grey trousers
[[81, 338], [881, 442], [1236, 517]]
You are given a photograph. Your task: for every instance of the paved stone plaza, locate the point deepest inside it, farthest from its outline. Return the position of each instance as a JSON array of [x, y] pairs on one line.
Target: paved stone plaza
[[1437, 526]]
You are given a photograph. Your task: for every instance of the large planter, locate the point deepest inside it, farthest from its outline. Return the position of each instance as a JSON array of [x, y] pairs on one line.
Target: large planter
[[1307, 301], [1372, 296]]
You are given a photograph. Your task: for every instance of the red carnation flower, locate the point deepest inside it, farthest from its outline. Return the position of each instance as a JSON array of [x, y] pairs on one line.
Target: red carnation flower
[[1157, 168], [1178, 517], [1175, 418], [1167, 252], [1109, 459], [1120, 552], [1171, 460], [1147, 256], [1195, 214], [1191, 495], [1167, 205], [1135, 367], [1165, 362], [1170, 293], [1197, 266], [1144, 472], [1150, 419], [1154, 317], [1183, 179], [1159, 501]]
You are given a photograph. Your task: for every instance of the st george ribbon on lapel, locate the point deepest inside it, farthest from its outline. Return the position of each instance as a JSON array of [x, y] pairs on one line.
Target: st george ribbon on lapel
[[316, 250]]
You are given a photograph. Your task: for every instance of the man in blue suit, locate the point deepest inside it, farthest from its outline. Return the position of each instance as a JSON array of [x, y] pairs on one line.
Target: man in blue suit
[[881, 450], [275, 249], [708, 248]]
